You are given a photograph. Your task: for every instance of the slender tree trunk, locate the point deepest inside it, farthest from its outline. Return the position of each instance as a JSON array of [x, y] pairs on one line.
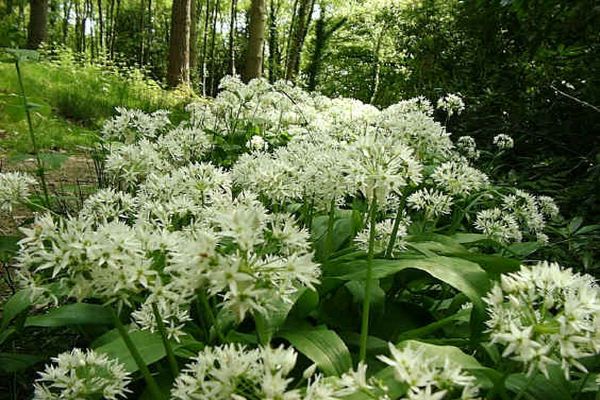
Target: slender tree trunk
[[9, 7], [65, 23], [232, 29], [274, 53], [213, 64], [149, 33], [377, 66], [114, 33], [256, 40], [196, 12], [322, 36], [38, 19], [204, 46], [178, 71], [297, 39], [290, 31], [142, 43], [100, 26]]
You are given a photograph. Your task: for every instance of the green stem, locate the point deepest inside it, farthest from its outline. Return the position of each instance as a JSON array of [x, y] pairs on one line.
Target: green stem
[[392, 242], [364, 329], [152, 386], [211, 317], [524, 388], [40, 165], [329, 237], [163, 334]]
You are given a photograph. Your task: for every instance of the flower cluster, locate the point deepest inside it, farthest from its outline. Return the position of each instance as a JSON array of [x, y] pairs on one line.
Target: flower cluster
[[451, 103], [383, 234], [237, 372], [544, 315], [14, 187], [518, 214], [503, 142], [430, 377], [82, 375]]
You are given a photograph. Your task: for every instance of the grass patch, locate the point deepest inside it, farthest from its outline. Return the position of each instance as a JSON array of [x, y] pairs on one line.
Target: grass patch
[[73, 99]]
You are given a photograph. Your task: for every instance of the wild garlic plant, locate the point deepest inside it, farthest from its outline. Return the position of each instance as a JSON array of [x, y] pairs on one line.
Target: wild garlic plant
[[273, 215]]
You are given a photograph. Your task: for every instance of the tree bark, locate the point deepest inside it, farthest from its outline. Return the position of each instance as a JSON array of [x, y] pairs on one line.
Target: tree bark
[[38, 19], [274, 53], [299, 32], [212, 48], [178, 71], [232, 23], [196, 11], [207, 15], [256, 40]]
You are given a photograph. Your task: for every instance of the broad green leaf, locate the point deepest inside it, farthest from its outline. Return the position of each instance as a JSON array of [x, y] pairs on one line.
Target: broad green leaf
[[540, 387], [14, 362], [278, 310], [434, 326], [14, 306], [322, 346], [22, 54], [72, 314], [147, 343], [465, 276], [523, 249], [493, 265]]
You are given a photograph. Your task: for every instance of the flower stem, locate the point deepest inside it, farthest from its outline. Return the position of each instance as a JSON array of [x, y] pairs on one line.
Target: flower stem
[[209, 314], [329, 237], [364, 328], [40, 165], [163, 334], [152, 386]]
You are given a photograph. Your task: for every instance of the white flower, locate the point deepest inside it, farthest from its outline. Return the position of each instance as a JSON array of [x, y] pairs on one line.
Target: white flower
[[503, 142], [383, 234], [14, 187], [82, 375], [499, 225], [451, 103], [257, 143], [235, 372], [459, 179], [432, 202], [545, 315], [467, 146], [429, 377]]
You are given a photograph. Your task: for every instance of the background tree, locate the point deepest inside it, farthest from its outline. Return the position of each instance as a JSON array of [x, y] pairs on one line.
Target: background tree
[[38, 21], [256, 39], [178, 72]]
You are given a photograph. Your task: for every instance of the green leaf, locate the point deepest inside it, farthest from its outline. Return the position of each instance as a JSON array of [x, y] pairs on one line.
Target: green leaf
[[268, 325], [465, 276], [14, 306], [322, 346], [8, 246], [22, 54], [523, 249], [14, 362], [148, 344], [540, 387], [72, 314]]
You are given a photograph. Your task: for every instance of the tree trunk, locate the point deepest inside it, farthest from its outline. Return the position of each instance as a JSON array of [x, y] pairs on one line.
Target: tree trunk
[[65, 23], [232, 23], [113, 34], [38, 17], [274, 53], [322, 36], [204, 46], [178, 71], [256, 28], [297, 39], [377, 66], [142, 48], [196, 12], [211, 57], [100, 26]]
